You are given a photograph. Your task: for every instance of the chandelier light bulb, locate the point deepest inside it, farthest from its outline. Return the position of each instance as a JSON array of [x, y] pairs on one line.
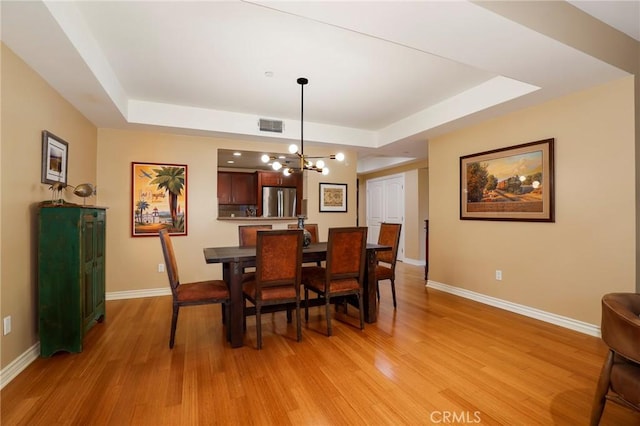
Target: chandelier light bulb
[[320, 164], [286, 172], [265, 158], [276, 165], [325, 171], [293, 148], [340, 156]]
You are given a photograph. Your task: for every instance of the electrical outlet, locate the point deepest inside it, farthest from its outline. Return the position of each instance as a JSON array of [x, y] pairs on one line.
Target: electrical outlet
[[6, 322], [498, 275], [160, 267]]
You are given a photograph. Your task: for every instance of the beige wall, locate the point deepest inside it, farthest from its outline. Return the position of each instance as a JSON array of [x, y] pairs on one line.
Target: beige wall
[[563, 267], [132, 263], [29, 106], [560, 21]]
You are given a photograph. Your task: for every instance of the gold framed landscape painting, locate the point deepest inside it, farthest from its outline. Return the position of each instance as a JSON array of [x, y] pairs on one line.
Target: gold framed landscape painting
[[158, 199], [511, 184]]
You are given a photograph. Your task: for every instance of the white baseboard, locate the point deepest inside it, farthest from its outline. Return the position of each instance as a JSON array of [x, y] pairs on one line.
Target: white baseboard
[[8, 373], [570, 323], [135, 294], [416, 262], [16, 366]]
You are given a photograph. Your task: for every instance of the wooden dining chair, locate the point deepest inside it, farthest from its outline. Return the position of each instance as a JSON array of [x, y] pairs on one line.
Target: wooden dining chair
[[247, 234], [278, 274], [386, 260], [247, 238], [343, 274], [190, 294]]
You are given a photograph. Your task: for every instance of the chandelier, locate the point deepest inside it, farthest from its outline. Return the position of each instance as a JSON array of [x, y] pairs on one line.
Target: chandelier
[[307, 162]]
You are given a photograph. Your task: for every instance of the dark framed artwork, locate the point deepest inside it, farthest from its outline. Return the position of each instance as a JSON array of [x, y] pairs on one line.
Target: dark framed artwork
[[514, 183], [55, 158], [333, 197], [158, 199]]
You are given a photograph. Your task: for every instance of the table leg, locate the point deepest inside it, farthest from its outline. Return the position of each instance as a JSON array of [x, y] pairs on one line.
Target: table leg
[[370, 298], [232, 273]]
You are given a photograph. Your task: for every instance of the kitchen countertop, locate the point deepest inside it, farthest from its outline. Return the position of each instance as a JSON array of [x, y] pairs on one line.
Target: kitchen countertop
[[257, 218]]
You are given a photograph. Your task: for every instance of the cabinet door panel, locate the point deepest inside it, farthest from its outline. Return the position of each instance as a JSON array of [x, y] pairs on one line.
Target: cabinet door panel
[[243, 186], [224, 188], [99, 271], [237, 188], [270, 179], [88, 255]]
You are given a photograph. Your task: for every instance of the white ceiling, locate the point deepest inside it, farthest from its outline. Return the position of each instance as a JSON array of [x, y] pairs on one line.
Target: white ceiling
[[383, 76]]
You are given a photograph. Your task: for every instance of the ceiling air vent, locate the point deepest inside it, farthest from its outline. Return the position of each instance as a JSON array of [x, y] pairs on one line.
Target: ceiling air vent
[[270, 125]]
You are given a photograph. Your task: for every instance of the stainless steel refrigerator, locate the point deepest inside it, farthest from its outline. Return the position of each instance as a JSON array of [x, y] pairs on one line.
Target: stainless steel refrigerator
[[278, 202]]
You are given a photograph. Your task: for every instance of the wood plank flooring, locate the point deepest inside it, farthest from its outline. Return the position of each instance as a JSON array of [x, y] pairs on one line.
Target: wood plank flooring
[[438, 359]]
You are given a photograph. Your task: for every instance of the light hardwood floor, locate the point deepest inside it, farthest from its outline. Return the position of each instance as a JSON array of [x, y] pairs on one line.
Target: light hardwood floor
[[438, 359]]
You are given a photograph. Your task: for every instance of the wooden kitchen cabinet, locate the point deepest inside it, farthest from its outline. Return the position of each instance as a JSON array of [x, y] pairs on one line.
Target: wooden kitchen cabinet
[[71, 275], [278, 179], [237, 188]]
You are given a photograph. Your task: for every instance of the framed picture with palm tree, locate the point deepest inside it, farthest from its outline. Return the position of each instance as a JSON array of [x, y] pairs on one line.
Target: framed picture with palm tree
[[158, 199]]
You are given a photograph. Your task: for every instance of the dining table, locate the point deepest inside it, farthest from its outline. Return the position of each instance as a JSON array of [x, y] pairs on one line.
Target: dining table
[[235, 258]]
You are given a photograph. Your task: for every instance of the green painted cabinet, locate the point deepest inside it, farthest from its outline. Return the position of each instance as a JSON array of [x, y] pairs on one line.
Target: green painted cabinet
[[71, 275]]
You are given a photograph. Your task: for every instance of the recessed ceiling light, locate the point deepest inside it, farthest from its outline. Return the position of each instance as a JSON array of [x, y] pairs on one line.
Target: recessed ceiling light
[[230, 161], [237, 154]]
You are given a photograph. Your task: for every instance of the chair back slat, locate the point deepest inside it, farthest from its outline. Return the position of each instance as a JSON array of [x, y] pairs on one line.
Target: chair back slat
[[169, 259]]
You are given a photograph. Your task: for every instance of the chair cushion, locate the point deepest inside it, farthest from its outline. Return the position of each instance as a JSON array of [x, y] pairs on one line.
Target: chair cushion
[[344, 285], [314, 277], [383, 273], [269, 293], [316, 281], [214, 289]]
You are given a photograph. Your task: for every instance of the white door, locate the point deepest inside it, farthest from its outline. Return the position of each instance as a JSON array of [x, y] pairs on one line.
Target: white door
[[385, 203]]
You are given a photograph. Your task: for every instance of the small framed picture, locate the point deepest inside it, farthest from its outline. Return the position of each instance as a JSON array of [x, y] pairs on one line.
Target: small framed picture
[[55, 156], [333, 197]]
